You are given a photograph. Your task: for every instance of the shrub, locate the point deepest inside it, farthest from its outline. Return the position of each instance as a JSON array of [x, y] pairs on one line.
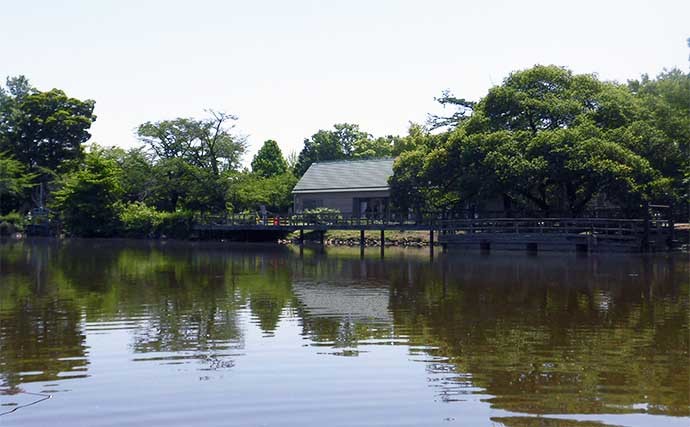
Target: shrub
[[11, 223], [139, 220], [321, 215], [176, 224]]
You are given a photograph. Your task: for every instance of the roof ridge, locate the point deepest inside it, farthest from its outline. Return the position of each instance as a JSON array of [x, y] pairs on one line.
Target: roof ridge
[[354, 160]]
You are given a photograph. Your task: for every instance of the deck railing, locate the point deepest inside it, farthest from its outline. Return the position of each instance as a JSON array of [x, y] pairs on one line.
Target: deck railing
[[572, 226], [594, 226]]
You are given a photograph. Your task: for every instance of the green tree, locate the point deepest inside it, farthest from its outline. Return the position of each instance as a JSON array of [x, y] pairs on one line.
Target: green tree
[[410, 185], [139, 178], [207, 143], [373, 148], [248, 191], [178, 185], [325, 145], [664, 136], [88, 200], [14, 182], [547, 140], [269, 161], [462, 111], [43, 130]]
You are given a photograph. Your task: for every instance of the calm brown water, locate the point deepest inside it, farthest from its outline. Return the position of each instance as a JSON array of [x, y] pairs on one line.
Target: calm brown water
[[177, 334]]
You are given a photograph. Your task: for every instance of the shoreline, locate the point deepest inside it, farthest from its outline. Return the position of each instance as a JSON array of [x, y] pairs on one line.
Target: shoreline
[[347, 238]]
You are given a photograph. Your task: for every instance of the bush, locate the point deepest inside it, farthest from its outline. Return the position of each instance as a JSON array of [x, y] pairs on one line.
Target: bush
[[176, 224], [139, 220], [14, 218], [321, 215]]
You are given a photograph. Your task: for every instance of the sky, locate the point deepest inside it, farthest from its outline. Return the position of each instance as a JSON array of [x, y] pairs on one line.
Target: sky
[[290, 68]]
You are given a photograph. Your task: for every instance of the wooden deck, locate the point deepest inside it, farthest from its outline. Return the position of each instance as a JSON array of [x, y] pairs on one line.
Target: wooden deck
[[559, 234], [568, 234]]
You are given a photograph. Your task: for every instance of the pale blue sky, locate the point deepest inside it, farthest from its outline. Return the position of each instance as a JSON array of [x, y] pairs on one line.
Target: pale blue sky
[[289, 68]]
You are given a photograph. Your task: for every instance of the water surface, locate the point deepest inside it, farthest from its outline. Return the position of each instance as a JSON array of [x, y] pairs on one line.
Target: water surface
[[177, 334]]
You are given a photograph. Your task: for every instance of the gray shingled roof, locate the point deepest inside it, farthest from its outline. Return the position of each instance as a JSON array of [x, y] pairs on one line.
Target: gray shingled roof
[[346, 175]]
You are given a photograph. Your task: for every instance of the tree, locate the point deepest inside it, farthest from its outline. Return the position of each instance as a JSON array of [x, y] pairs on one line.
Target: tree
[[269, 161], [43, 130], [177, 185], [139, 178], [463, 110], [374, 148], [548, 141], [325, 145], [248, 191], [664, 136], [207, 143], [14, 182], [410, 186], [89, 196]]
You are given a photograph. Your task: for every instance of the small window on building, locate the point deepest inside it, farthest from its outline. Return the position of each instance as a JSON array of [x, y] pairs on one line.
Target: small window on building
[[312, 203]]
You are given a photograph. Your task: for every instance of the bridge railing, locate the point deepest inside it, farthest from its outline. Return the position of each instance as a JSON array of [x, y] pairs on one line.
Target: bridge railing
[[574, 226], [593, 226], [309, 219]]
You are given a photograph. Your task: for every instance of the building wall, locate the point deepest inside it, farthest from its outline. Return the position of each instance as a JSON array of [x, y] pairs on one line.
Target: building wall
[[341, 201]]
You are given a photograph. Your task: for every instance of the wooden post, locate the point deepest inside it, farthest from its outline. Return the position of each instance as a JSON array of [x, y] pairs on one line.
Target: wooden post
[[361, 238], [431, 243], [322, 236], [301, 236]]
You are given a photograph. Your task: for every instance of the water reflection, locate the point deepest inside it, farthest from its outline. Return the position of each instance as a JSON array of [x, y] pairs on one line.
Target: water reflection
[[552, 334]]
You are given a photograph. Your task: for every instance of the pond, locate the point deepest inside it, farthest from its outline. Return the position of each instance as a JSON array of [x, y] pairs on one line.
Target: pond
[[136, 333]]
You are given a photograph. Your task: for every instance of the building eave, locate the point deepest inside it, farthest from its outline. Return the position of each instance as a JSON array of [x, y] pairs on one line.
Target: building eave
[[340, 190]]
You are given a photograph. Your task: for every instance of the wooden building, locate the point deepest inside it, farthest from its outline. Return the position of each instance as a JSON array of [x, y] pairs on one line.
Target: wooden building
[[357, 188]]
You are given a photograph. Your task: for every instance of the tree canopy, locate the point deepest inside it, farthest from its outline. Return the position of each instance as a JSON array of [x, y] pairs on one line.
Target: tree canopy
[[269, 161], [548, 141], [205, 143], [43, 130], [88, 198]]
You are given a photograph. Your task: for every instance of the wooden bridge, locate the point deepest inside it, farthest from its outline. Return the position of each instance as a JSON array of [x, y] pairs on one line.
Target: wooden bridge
[[532, 234]]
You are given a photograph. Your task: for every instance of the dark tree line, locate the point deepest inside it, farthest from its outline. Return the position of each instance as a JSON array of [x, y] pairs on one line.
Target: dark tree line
[[545, 142]]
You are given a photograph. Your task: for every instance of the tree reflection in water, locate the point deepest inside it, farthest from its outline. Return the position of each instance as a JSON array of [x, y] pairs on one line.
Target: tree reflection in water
[[553, 334]]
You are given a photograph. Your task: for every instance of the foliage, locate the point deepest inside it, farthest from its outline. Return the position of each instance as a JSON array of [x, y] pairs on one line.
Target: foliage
[[208, 144], [138, 178], [11, 222], [14, 182], [374, 148], [248, 191], [325, 145], [321, 215], [548, 141], [140, 220], [177, 185], [88, 197], [43, 130], [269, 161], [664, 138], [463, 110], [410, 187]]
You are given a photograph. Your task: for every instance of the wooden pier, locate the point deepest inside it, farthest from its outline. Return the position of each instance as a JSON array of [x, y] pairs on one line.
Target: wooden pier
[[530, 234]]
